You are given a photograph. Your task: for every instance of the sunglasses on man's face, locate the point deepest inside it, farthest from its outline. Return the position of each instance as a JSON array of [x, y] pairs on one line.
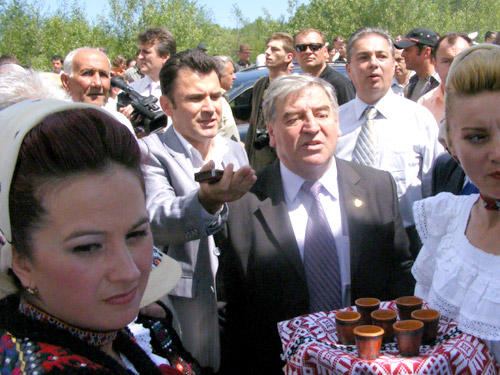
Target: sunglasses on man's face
[[312, 46]]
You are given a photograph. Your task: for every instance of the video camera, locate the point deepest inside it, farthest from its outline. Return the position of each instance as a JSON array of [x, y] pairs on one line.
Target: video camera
[[147, 116]]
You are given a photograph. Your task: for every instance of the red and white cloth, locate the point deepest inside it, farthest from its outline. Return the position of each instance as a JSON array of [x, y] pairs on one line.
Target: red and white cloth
[[311, 347]]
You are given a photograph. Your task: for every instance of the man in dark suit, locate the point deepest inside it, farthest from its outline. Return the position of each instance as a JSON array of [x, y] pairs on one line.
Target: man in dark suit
[[267, 248]]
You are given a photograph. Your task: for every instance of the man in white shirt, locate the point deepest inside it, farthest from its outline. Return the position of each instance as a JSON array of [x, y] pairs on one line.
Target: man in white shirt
[[401, 74], [269, 262], [403, 133], [184, 214], [86, 78]]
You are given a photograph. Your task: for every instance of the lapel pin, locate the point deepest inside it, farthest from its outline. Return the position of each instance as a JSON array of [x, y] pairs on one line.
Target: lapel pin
[[358, 202]]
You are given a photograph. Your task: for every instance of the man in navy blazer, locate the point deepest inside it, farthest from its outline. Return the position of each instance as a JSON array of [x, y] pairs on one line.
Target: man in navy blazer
[[262, 246], [185, 214]]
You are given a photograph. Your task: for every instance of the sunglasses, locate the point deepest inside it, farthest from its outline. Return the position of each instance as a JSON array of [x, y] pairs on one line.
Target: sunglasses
[[313, 47]]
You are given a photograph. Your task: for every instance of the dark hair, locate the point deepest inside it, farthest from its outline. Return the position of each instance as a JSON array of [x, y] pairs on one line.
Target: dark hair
[[489, 34], [56, 58], [64, 145], [191, 59], [166, 42], [452, 38]]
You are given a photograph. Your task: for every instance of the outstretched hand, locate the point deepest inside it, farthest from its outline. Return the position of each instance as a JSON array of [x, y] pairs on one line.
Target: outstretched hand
[[232, 186]]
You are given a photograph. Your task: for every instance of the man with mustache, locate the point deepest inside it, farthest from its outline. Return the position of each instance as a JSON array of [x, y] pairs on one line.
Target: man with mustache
[[86, 78]]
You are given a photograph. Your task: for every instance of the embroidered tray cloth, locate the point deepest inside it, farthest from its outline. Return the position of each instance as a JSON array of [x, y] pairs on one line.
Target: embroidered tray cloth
[[311, 347]]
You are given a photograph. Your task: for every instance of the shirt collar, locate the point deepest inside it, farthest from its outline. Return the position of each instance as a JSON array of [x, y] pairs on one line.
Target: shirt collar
[[384, 106], [293, 182], [218, 150]]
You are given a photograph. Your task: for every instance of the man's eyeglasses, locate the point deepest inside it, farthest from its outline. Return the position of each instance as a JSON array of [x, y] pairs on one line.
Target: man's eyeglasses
[[312, 46]]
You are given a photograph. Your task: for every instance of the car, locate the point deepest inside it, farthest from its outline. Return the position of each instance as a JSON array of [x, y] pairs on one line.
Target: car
[[240, 95]]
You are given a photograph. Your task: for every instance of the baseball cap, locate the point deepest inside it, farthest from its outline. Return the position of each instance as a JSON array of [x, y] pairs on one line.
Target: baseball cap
[[420, 35]]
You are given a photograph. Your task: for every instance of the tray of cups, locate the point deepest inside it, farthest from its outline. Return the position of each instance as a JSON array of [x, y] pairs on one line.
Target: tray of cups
[[381, 337]]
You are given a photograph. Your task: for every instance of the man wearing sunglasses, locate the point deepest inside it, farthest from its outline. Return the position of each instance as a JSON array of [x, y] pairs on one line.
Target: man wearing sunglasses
[[311, 52]]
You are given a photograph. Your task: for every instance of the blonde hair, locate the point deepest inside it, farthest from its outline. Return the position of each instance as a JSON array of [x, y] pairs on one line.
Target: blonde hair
[[475, 70]]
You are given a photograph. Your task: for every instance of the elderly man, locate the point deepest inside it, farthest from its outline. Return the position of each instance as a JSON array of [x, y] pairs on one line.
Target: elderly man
[[418, 46], [314, 233], [279, 55], [311, 54], [184, 214], [86, 78], [227, 127], [448, 47], [383, 130]]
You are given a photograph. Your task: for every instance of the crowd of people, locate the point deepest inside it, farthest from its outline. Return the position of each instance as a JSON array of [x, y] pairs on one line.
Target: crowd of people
[[176, 249]]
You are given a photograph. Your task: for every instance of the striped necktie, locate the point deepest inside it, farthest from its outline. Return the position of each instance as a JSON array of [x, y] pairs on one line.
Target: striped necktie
[[364, 150], [321, 261]]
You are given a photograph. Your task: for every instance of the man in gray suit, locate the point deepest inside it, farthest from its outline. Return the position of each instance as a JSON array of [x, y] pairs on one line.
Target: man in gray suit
[[288, 252], [184, 214]]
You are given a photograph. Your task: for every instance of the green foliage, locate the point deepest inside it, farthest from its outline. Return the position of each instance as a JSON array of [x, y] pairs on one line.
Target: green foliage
[[34, 35]]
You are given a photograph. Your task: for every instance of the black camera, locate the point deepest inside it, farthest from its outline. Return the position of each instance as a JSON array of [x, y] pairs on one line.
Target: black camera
[[261, 139], [147, 116]]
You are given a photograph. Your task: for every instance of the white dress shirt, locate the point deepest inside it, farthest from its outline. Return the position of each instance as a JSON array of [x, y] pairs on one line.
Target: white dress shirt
[[298, 204], [406, 144], [146, 87]]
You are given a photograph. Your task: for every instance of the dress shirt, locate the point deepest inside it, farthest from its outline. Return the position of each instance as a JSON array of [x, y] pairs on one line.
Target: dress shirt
[[406, 144], [146, 87], [298, 204], [397, 87], [434, 102]]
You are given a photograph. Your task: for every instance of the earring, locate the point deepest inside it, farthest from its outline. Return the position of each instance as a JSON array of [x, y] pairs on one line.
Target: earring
[[32, 292]]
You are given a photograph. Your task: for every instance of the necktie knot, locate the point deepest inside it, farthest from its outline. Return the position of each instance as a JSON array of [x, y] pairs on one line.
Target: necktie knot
[[370, 112], [312, 187]]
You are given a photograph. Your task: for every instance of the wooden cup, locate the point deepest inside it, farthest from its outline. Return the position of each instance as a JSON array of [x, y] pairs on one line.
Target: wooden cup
[[406, 305], [385, 318], [345, 322], [368, 341], [430, 318], [408, 336], [365, 306]]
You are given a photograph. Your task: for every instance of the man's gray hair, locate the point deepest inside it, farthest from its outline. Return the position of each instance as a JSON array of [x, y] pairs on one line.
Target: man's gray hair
[[368, 31], [221, 61], [68, 60], [17, 86], [284, 86]]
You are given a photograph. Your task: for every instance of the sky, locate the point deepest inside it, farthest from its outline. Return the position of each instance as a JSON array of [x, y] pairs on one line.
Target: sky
[[221, 9]]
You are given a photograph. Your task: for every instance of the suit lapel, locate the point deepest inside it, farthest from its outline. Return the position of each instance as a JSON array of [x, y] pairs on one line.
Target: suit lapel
[[353, 201], [273, 213], [177, 150]]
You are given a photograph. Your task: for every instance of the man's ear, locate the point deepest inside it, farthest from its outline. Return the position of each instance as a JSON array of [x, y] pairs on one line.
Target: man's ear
[[166, 105], [272, 139], [22, 269], [289, 57], [64, 81]]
